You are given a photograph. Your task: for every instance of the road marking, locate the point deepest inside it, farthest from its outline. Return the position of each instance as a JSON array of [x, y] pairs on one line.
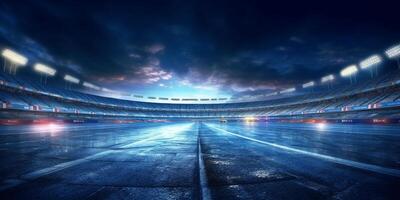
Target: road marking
[[7, 184], [330, 129], [350, 163], [205, 192]]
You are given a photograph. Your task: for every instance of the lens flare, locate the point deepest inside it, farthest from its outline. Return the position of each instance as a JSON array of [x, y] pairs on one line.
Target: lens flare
[[48, 128], [321, 126]]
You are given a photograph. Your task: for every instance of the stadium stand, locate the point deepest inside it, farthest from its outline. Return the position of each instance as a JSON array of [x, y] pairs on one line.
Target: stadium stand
[[380, 93]]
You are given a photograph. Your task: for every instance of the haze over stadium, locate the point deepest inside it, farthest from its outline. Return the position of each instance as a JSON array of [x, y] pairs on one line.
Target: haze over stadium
[[199, 100]]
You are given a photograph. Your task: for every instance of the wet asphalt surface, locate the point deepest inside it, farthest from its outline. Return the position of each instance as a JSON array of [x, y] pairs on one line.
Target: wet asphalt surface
[[200, 160]]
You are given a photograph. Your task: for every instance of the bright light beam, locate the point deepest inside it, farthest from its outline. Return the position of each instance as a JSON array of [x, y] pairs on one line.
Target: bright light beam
[[106, 90], [89, 85], [44, 69], [321, 126], [14, 57], [327, 78], [271, 94], [71, 79], [288, 90], [393, 52], [309, 84], [249, 119], [370, 61], [348, 71]]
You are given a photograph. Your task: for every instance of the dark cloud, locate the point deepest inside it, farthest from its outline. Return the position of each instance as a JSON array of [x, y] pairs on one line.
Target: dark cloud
[[234, 45]]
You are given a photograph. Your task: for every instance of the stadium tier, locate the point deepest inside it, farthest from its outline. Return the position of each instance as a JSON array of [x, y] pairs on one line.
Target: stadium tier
[[19, 97]]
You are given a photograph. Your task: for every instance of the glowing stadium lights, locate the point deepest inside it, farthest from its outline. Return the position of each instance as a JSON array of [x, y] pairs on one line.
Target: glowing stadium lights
[[44, 69], [105, 90], [348, 71], [249, 119], [309, 84], [71, 79], [321, 126], [328, 78], [89, 85], [14, 57], [48, 127], [288, 90], [271, 94], [393, 52], [370, 61]]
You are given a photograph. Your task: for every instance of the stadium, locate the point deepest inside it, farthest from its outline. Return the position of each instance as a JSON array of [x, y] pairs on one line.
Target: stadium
[[153, 132]]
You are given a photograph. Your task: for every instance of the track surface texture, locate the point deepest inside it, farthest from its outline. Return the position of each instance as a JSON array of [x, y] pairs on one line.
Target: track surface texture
[[200, 160]]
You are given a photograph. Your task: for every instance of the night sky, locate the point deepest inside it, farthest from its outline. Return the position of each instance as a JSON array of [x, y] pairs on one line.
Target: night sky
[[198, 48]]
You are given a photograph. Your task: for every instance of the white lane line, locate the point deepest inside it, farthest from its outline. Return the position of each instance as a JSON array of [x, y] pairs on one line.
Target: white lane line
[[6, 184], [330, 129], [350, 163], [205, 192]]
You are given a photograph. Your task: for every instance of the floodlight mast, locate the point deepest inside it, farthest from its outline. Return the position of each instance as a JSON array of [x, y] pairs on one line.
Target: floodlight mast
[[288, 90], [394, 53], [44, 70], [69, 80], [328, 79], [309, 84], [270, 94], [91, 86], [107, 90], [349, 71], [370, 62], [13, 60]]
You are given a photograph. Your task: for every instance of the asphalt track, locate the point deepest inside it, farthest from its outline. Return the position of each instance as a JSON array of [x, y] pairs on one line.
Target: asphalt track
[[200, 160]]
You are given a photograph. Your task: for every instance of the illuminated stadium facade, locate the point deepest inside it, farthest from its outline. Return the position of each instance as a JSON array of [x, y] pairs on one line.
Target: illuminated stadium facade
[[379, 95], [376, 97]]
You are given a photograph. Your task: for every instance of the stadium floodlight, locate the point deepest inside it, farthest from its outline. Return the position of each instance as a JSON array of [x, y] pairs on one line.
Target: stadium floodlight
[[348, 71], [14, 57], [89, 85], [370, 61], [106, 90], [309, 84], [249, 119], [393, 52], [327, 78], [288, 90], [270, 94], [71, 79], [44, 69]]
